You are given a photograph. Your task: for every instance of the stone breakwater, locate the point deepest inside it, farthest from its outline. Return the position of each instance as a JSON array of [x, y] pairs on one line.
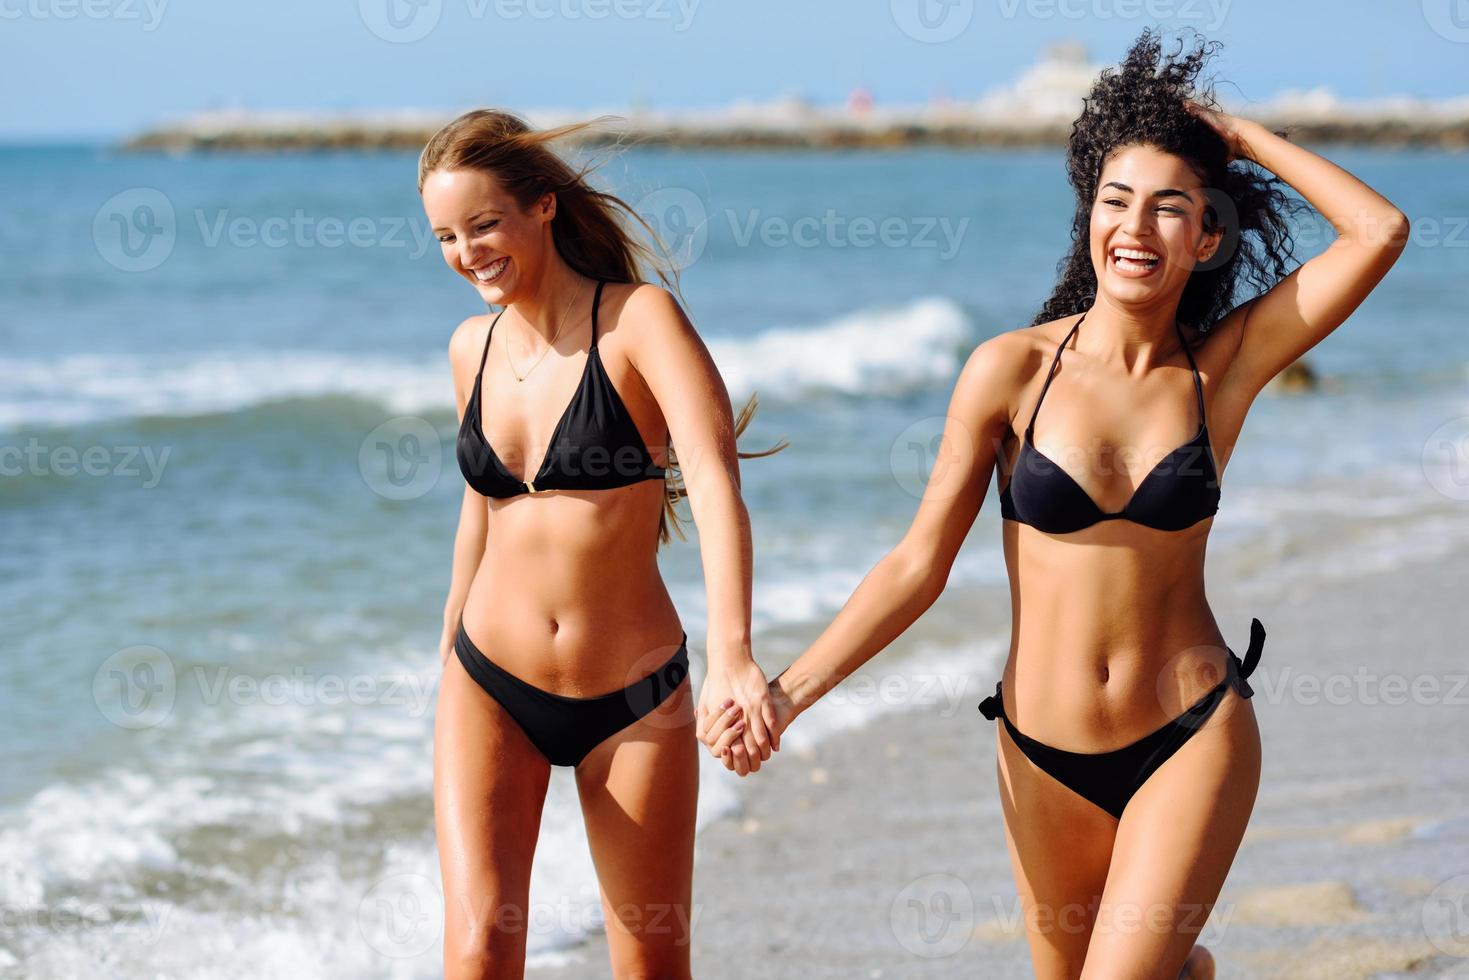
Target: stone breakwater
[[1441, 126]]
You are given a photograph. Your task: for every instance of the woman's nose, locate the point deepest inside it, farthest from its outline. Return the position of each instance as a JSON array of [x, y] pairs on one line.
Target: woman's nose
[[1137, 220]]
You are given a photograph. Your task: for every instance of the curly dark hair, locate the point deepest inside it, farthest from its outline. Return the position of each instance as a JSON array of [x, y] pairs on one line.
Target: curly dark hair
[[1141, 102]]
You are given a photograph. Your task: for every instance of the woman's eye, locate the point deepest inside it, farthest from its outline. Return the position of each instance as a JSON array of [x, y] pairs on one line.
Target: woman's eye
[[1171, 210], [445, 239], [487, 225], [1114, 202]]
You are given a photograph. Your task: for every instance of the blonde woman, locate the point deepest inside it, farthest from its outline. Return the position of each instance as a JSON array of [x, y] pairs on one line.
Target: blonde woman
[[561, 645]]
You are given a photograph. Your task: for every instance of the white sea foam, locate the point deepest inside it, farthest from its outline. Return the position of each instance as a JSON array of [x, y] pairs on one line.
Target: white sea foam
[[280, 772], [878, 352], [881, 352]]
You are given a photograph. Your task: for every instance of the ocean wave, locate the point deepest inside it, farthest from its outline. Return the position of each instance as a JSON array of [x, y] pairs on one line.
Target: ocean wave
[[884, 352], [205, 815], [890, 352]]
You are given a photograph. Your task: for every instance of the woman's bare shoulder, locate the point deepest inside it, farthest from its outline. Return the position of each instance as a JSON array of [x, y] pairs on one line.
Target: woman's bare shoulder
[[469, 338], [999, 369]]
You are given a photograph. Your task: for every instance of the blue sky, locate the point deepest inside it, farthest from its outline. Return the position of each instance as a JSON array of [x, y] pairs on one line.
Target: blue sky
[[105, 68]]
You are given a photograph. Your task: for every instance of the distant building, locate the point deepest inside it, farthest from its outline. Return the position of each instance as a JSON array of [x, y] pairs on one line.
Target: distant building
[[1050, 89]]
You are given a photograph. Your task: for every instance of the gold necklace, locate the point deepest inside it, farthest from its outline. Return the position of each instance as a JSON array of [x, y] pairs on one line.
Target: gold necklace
[[552, 343]]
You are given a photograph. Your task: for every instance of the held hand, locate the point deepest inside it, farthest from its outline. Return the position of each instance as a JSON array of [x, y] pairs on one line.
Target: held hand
[[785, 712], [1231, 129], [735, 713]]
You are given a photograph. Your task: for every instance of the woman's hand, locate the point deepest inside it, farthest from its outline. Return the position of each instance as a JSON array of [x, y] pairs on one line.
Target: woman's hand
[[1232, 129], [737, 716], [728, 729], [447, 638]]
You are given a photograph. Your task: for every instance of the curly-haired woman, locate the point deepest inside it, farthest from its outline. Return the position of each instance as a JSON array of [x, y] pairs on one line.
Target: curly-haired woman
[[1128, 758]]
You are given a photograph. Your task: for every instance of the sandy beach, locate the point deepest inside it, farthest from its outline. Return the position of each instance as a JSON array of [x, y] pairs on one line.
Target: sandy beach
[[1347, 870]]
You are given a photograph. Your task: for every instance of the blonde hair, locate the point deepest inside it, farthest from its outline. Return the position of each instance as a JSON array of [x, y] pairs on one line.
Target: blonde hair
[[593, 230]]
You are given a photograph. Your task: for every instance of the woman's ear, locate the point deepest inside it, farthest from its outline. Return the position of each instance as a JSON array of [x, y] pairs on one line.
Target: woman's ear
[[1210, 245], [546, 206]]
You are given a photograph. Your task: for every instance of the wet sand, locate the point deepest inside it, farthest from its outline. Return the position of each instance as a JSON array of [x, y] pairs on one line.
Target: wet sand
[[879, 852]]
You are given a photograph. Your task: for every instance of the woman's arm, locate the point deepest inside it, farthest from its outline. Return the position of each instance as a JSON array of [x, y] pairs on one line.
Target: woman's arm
[[1303, 308], [682, 376], [469, 540], [911, 577]]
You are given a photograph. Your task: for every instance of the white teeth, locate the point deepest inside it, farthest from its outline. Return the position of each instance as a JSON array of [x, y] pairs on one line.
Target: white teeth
[[1135, 254], [492, 271]]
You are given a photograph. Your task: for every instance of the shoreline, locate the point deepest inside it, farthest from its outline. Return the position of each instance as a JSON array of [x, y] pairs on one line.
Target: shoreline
[[1356, 828]]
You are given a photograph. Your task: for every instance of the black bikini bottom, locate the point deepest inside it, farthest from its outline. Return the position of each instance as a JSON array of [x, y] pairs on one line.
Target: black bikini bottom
[[565, 729], [1109, 779]]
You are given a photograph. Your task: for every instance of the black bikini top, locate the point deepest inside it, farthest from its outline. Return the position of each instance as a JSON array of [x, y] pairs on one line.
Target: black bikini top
[[595, 445], [1181, 490]]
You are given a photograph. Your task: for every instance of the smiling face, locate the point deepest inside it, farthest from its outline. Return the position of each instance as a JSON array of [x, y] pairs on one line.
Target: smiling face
[[485, 235], [1147, 226]]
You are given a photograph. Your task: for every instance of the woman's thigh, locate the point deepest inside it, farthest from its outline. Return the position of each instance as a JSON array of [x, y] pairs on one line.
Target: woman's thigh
[[639, 794], [1060, 847], [1175, 844], [489, 788]]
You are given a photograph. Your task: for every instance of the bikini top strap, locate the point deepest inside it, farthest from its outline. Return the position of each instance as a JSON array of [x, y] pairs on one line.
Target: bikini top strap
[[596, 302], [1029, 429], [1198, 382], [488, 334]]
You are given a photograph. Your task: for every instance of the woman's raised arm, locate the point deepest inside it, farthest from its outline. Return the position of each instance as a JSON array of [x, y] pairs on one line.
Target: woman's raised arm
[[1307, 305]]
